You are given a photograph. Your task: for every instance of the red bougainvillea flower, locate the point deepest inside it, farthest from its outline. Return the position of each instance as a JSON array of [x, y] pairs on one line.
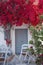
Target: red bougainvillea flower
[[32, 14], [8, 41], [31, 46], [32, 1], [36, 21], [18, 1], [18, 23], [41, 2], [19, 12], [35, 7], [41, 6], [41, 11]]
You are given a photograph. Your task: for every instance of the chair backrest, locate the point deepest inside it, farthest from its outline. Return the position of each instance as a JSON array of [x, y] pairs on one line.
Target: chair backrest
[[23, 48], [23, 52], [3, 54]]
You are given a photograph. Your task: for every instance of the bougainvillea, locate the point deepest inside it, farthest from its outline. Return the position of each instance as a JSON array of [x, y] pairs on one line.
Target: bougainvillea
[[19, 12], [41, 6]]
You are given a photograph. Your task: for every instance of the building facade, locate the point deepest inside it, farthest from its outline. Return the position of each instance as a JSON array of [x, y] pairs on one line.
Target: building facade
[[19, 35]]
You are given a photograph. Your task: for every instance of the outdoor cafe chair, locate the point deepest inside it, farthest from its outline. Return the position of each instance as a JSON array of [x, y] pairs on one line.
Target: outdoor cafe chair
[[4, 50], [23, 53]]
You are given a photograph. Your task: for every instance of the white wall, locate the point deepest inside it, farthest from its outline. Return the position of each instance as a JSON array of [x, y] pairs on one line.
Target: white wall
[[2, 41], [29, 35], [13, 40]]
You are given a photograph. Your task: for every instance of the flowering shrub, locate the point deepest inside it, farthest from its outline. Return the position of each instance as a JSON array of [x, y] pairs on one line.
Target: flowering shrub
[[19, 12], [41, 6], [39, 60], [37, 35]]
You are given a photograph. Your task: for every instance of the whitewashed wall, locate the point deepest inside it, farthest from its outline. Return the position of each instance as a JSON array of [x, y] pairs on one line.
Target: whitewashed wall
[[2, 41]]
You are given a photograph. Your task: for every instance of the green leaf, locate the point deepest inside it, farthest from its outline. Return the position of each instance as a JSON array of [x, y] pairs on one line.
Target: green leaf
[[41, 16], [31, 42]]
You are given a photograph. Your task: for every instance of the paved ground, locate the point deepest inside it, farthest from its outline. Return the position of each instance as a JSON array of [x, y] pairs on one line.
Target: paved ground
[[16, 61], [18, 64]]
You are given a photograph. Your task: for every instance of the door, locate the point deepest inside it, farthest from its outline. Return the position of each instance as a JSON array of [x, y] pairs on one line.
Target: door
[[21, 38]]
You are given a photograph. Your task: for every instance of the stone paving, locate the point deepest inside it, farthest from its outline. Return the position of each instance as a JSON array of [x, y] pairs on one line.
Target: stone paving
[[17, 61], [17, 64]]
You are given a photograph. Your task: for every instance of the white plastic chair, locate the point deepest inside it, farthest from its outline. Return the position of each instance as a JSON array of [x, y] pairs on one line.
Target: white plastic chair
[[3, 58], [3, 52], [23, 53], [23, 48]]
